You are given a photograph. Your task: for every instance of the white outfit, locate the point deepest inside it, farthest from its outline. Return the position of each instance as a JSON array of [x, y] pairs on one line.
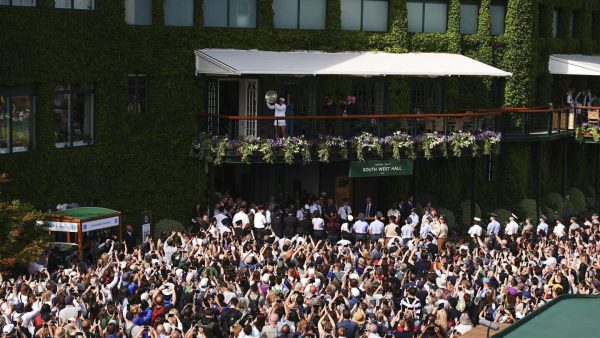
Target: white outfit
[[559, 230], [376, 227], [344, 211], [259, 221], [407, 231], [241, 216], [512, 228], [475, 230], [279, 111]]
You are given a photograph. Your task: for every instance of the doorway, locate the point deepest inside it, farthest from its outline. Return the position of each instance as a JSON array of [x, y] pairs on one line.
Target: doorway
[[229, 105]]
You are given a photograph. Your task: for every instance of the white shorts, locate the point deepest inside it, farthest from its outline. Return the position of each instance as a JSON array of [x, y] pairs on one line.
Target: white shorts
[[279, 123]]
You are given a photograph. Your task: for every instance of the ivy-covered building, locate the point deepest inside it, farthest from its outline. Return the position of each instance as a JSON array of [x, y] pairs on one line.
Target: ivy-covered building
[[100, 100]]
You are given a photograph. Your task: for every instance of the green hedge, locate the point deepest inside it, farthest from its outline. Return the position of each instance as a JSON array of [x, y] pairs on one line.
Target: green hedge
[[141, 162]]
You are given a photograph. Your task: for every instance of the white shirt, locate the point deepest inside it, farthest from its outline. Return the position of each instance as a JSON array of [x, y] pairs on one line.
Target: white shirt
[[220, 218], [376, 227], [426, 228], [344, 211], [259, 221], [300, 214], [360, 227], [407, 231], [542, 226], [475, 230], [559, 230], [279, 108], [512, 228], [314, 207], [414, 219], [241, 216], [318, 223]]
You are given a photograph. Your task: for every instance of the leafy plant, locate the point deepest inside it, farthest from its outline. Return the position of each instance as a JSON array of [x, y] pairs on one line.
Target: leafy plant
[[463, 140], [366, 142], [402, 142], [432, 141]]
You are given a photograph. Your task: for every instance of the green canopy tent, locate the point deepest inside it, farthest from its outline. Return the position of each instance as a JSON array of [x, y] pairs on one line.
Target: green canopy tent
[[565, 316], [75, 222]]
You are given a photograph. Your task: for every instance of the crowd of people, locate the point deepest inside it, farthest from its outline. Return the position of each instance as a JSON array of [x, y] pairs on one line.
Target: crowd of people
[[316, 270]]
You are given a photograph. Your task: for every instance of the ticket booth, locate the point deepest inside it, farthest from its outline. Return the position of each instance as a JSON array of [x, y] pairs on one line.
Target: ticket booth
[[80, 225]]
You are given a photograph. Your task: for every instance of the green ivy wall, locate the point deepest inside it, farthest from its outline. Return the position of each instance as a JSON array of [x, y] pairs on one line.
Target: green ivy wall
[[142, 162]]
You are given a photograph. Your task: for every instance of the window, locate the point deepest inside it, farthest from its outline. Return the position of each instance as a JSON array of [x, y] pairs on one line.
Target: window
[[469, 17], [75, 4], [369, 96], [137, 94], [230, 13], [426, 96], [138, 12], [300, 14], [74, 115], [18, 3], [555, 23], [17, 107], [498, 17], [427, 16], [596, 25], [365, 15], [179, 12]]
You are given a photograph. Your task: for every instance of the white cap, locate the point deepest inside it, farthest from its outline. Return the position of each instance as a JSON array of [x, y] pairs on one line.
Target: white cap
[[355, 292], [477, 219], [265, 278], [464, 247], [144, 296], [8, 328], [253, 211], [350, 218], [514, 216], [311, 272], [354, 276], [204, 282]]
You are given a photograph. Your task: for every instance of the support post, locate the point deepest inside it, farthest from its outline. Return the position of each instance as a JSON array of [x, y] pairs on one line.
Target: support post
[[473, 187], [538, 185], [211, 189], [564, 180]]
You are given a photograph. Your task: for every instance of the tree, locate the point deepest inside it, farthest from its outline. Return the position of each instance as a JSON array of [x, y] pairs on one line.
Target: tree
[[22, 239]]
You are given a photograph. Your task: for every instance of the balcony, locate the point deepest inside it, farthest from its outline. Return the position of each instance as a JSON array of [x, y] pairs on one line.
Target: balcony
[[252, 139]]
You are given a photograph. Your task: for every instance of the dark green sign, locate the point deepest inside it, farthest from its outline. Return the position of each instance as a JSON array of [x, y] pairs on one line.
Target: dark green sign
[[375, 168]]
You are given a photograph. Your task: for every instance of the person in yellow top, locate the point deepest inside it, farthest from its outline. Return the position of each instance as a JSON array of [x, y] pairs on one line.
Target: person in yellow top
[[440, 231]]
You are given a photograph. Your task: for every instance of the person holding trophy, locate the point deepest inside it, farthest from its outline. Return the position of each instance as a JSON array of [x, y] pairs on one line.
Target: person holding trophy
[[280, 108]]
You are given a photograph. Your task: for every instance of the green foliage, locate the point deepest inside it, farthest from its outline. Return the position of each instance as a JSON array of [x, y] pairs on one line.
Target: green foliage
[[166, 225], [528, 208], [450, 218], [554, 201], [23, 240], [577, 200], [465, 212], [503, 215]]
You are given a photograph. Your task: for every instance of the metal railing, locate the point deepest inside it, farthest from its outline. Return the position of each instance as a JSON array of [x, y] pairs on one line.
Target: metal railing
[[514, 123]]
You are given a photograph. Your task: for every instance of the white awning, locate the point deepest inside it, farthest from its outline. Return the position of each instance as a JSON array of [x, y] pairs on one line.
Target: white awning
[[240, 62], [574, 64]]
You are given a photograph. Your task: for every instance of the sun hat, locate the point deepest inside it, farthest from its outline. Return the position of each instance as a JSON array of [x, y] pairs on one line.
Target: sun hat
[[359, 317]]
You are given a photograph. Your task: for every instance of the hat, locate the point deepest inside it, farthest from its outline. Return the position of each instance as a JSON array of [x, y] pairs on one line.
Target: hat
[[167, 291], [350, 218], [69, 300], [549, 261], [543, 217], [265, 278], [464, 247], [355, 292], [485, 280], [477, 219], [379, 214], [8, 328], [573, 218], [354, 276], [203, 283], [512, 291], [526, 294], [359, 317], [144, 296], [493, 215], [514, 216]]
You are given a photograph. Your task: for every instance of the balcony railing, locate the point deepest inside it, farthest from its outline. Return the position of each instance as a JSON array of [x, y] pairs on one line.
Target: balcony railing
[[513, 123]]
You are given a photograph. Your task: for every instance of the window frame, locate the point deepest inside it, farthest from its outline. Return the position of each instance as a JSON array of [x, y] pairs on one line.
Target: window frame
[[136, 87], [69, 91], [362, 18], [298, 18], [9, 92], [423, 2], [229, 18], [72, 7], [10, 4], [472, 3]]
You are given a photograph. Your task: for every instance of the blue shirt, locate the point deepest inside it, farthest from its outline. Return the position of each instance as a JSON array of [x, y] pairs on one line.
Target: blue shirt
[[493, 228]]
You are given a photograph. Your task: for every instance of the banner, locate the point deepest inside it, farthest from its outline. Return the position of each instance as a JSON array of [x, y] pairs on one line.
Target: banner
[[374, 168], [100, 224], [62, 226]]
